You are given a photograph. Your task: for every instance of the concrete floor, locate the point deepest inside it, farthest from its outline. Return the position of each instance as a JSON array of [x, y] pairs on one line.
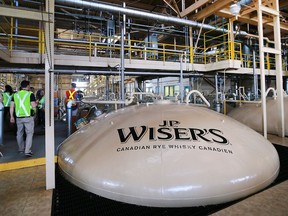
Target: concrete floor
[[22, 192]]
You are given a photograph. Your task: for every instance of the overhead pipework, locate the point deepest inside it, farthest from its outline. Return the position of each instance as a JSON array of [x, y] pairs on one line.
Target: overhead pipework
[[141, 14]]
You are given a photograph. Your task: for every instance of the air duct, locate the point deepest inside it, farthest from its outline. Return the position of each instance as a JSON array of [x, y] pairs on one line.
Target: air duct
[[141, 14]]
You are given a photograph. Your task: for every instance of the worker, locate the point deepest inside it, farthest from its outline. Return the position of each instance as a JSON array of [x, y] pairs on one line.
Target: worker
[[72, 95], [6, 99], [24, 102]]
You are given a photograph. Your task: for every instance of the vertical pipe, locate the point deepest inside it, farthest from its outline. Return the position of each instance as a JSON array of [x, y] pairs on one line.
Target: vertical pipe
[[164, 56], [216, 93], [183, 5], [112, 86], [69, 118], [39, 40], [90, 47], [191, 45], [11, 33], [255, 76], [175, 43], [129, 40], [231, 40], [16, 23], [191, 80], [181, 78], [124, 21], [158, 86], [122, 65], [186, 31], [145, 53], [107, 87]]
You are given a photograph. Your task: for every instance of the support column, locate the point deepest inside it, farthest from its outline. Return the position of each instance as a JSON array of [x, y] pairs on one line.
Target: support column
[[49, 97], [279, 73], [274, 12]]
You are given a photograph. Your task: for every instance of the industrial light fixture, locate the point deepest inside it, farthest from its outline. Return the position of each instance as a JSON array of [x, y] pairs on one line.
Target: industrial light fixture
[[235, 9]]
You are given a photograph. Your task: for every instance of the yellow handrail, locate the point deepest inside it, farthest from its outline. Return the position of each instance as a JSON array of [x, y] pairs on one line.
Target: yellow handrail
[[33, 39]]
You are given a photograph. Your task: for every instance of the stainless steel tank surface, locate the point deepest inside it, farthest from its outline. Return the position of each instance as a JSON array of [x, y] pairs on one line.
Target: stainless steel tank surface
[[168, 155], [250, 114]]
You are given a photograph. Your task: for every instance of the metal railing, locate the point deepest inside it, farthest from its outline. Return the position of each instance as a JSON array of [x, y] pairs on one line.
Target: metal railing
[[92, 45]]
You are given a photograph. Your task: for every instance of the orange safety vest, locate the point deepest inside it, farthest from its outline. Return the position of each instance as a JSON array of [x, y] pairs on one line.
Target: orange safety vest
[[71, 96]]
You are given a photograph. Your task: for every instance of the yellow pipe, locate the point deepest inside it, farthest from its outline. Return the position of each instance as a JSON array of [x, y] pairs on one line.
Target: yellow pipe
[[43, 42], [268, 61], [90, 47], [191, 54], [232, 51], [39, 41], [130, 50], [11, 34]]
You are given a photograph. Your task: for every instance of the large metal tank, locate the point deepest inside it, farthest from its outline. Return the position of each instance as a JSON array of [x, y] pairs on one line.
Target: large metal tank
[[250, 114], [168, 155]]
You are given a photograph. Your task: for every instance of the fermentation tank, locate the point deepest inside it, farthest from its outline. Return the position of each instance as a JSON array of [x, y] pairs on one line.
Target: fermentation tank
[[168, 154], [250, 114]]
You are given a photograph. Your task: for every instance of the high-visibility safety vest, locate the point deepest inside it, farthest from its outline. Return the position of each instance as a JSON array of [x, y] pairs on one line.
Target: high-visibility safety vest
[[41, 103], [71, 96], [22, 103], [6, 98]]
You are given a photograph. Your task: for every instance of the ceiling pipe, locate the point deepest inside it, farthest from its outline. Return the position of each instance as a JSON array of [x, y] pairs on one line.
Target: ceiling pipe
[[141, 14], [72, 71]]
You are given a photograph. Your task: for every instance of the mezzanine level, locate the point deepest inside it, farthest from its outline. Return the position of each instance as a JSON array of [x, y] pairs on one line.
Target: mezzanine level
[[99, 54]]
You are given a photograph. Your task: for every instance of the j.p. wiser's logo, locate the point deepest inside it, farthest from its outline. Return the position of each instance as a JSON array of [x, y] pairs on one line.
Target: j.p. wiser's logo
[[169, 130]]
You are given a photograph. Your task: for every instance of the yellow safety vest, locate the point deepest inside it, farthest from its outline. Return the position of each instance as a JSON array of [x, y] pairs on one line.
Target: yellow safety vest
[[7, 99], [71, 97], [22, 103]]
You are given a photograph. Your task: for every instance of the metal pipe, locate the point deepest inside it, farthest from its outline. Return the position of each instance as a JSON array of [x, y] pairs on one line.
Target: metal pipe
[[112, 84], [255, 76], [16, 23], [216, 90], [107, 87], [273, 90], [69, 118], [158, 86], [199, 93], [181, 78], [141, 14], [122, 64], [124, 21], [216, 87], [67, 71]]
